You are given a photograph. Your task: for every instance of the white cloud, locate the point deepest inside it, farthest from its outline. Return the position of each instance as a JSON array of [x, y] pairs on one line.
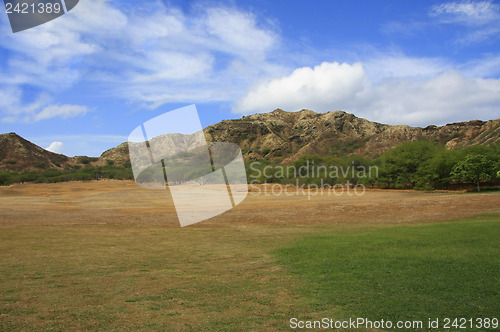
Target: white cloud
[[396, 65], [481, 18], [15, 109], [238, 32], [441, 98], [63, 111], [56, 147], [479, 22], [468, 12], [479, 36], [159, 55], [314, 88], [488, 66], [206, 57], [445, 98], [149, 57]]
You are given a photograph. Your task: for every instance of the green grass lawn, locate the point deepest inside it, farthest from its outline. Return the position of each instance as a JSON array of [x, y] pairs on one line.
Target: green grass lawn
[[409, 272], [145, 277]]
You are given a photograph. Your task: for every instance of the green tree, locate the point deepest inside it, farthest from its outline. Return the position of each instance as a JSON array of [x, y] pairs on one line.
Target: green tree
[[437, 171], [475, 167], [402, 167]]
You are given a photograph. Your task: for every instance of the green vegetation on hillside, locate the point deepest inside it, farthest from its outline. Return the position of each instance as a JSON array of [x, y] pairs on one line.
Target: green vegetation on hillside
[[420, 165], [412, 165]]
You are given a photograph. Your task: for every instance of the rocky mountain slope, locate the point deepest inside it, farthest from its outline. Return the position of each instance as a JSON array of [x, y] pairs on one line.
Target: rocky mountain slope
[[280, 136], [289, 135], [18, 154]]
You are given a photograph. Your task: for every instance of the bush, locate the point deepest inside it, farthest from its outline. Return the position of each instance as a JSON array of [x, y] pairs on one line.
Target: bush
[[41, 164], [6, 178], [277, 127]]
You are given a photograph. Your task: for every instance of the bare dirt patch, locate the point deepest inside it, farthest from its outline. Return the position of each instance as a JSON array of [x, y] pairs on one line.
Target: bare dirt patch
[[122, 202]]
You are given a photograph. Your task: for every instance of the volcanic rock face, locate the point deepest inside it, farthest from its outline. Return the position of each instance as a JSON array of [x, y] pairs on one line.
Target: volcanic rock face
[[289, 135]]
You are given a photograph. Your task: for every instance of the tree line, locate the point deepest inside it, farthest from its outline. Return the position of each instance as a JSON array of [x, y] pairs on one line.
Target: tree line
[[75, 173], [421, 165]]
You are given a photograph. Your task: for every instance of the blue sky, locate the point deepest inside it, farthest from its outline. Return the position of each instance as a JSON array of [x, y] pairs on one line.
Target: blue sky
[[81, 83]]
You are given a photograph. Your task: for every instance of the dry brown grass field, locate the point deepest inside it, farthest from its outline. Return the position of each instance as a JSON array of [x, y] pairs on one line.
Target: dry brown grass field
[[122, 202], [110, 255]]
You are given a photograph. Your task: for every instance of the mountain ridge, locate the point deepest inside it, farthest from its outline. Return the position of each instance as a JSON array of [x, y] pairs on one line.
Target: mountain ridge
[[279, 136], [289, 135]]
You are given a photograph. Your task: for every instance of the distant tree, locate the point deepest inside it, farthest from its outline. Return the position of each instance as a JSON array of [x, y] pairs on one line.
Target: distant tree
[[475, 167]]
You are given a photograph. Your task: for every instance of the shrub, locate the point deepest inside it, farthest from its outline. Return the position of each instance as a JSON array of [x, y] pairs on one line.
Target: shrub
[[277, 127], [6, 178], [41, 164]]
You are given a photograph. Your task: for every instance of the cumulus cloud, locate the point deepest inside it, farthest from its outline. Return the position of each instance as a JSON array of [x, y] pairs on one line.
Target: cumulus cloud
[[317, 88], [56, 147], [437, 99]]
